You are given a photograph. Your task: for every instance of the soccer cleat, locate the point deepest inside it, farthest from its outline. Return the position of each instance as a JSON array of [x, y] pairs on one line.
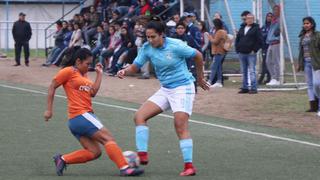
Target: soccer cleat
[[131, 171], [143, 156], [188, 172], [60, 164]]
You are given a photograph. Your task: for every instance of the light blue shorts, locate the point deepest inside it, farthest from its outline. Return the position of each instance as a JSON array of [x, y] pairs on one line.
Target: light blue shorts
[[86, 124]]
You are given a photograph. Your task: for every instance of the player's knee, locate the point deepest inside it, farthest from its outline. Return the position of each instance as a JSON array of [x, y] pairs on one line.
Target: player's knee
[[180, 127], [180, 130]]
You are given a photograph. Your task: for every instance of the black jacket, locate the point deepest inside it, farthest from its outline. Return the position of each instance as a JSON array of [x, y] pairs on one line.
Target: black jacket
[[252, 41], [21, 31]]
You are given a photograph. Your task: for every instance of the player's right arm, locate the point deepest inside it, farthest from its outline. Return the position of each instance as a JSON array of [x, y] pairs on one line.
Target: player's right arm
[[129, 70], [136, 65], [51, 92], [61, 78]]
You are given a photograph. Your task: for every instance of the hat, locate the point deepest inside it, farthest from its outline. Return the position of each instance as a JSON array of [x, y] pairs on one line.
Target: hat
[[22, 14], [116, 11], [188, 14], [192, 14], [185, 14]]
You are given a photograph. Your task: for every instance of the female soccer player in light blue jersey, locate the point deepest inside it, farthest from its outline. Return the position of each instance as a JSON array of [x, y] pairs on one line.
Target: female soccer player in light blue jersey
[[177, 90]]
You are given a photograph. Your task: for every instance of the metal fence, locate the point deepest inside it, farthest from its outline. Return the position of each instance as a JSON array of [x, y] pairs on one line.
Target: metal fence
[[37, 40]]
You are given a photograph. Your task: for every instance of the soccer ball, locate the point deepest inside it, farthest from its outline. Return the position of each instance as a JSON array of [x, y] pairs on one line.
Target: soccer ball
[[132, 158]]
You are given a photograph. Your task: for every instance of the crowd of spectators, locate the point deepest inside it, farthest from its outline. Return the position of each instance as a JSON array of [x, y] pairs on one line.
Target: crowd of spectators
[[114, 32]]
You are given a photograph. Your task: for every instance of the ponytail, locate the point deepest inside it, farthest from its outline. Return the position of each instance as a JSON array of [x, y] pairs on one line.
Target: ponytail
[[74, 53]]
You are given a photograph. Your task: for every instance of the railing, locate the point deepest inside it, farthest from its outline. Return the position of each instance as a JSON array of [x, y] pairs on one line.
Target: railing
[[166, 10], [6, 39], [48, 35]]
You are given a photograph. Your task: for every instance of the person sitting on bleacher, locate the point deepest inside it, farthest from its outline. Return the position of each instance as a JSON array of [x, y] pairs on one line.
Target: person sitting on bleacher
[[91, 28], [127, 41], [62, 29], [112, 43], [98, 46], [66, 41]]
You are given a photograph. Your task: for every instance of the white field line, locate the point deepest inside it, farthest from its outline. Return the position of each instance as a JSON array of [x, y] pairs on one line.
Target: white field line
[[191, 120]]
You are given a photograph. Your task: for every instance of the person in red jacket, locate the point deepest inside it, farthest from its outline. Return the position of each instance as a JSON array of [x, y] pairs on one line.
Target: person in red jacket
[[145, 8]]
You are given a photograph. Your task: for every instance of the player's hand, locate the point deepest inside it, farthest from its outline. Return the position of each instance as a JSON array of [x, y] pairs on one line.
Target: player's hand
[[47, 115], [99, 68], [203, 84], [121, 73]]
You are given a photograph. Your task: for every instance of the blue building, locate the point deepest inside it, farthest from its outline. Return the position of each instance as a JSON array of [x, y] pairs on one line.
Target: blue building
[[295, 10]]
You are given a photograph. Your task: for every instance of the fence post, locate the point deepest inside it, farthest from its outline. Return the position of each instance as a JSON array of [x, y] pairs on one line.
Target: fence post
[[7, 26], [37, 38]]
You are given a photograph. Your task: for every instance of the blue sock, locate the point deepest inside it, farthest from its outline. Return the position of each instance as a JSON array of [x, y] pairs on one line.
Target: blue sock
[[186, 146], [142, 138]]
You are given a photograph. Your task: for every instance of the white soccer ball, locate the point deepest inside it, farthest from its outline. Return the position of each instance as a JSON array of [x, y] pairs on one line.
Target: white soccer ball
[[132, 158]]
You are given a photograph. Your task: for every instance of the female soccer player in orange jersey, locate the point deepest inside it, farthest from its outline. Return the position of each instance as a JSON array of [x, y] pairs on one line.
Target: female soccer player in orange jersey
[[83, 124]]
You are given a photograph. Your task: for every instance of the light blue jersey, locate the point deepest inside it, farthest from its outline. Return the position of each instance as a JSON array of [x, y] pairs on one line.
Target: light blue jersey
[[168, 61]]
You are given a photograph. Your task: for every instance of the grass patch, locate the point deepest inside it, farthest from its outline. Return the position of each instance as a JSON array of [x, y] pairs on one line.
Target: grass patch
[[34, 53]]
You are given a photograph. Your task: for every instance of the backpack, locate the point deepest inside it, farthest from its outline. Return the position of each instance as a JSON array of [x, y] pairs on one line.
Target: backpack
[[228, 44]]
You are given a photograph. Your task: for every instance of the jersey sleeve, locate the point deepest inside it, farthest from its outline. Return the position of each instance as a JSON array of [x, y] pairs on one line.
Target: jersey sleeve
[[185, 51], [63, 75], [141, 57]]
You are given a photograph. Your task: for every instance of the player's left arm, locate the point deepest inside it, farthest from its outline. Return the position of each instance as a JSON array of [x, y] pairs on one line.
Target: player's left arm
[[96, 85], [199, 68]]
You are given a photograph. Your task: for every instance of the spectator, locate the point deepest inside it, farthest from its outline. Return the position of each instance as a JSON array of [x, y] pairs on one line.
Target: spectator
[[171, 25], [66, 41], [182, 35], [204, 37], [176, 17], [115, 16], [76, 42], [22, 33], [194, 32], [273, 53], [98, 46], [140, 40], [100, 11], [76, 18], [243, 17], [127, 42], [309, 61], [264, 30], [112, 43], [193, 18], [217, 15], [91, 29], [76, 37], [145, 8], [192, 29], [62, 29], [217, 43], [249, 40], [82, 21]]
